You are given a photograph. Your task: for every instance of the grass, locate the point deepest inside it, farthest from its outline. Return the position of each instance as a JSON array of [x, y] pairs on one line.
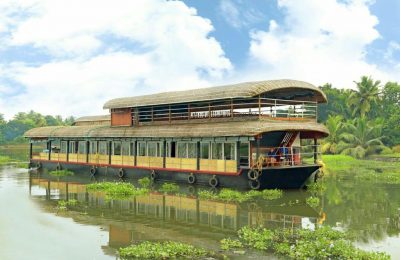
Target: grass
[[61, 173], [229, 195], [367, 170], [322, 243], [163, 250], [116, 190]]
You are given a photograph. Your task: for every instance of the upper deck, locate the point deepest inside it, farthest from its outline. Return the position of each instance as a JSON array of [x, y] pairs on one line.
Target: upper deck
[[276, 99]]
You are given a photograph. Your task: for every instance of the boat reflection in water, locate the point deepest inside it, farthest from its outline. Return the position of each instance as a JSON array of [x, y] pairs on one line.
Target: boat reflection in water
[[159, 216]]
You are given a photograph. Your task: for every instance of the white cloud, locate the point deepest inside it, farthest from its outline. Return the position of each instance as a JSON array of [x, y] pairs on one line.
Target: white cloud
[[237, 15], [174, 51], [319, 42]]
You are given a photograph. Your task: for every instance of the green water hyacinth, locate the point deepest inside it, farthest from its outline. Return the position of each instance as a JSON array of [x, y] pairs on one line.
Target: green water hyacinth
[[116, 190], [163, 250], [61, 173]]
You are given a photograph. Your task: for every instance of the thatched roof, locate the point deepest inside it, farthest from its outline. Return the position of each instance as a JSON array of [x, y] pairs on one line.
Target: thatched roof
[[241, 90], [93, 120], [220, 129]]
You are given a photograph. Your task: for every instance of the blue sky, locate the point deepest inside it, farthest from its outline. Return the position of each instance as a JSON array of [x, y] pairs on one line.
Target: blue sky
[[69, 57]]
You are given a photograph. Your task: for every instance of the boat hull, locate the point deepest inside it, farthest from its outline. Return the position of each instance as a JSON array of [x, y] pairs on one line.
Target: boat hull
[[290, 177]]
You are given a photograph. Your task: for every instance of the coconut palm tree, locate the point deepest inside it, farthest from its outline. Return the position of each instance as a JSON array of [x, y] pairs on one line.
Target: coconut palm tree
[[335, 126], [366, 95], [361, 138]]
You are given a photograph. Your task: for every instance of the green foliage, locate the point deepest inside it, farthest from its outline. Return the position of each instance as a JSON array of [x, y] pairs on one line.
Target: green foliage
[[227, 244], [322, 243], [12, 131], [162, 250], [169, 188], [365, 97], [145, 182], [61, 173], [335, 127], [229, 195], [313, 201], [362, 138], [317, 188], [116, 190]]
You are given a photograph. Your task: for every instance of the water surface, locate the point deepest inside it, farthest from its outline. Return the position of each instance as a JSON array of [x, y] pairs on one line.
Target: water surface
[[31, 226]]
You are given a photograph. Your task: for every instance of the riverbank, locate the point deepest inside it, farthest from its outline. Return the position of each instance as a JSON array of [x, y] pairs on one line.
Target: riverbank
[[378, 171]]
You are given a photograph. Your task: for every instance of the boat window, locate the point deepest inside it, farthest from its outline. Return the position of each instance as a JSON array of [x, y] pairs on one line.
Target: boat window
[[125, 148], [160, 149], [216, 149], [182, 150], [72, 147], [244, 154], [229, 151], [63, 147], [192, 150], [205, 150], [93, 147], [141, 149], [103, 147], [82, 147], [152, 149], [117, 148]]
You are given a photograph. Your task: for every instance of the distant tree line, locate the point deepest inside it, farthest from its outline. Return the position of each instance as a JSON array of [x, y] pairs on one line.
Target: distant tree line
[[363, 121], [11, 131]]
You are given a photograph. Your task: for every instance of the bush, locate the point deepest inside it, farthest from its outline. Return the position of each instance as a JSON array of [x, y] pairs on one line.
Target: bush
[[116, 190], [227, 244], [169, 188], [396, 149], [145, 182]]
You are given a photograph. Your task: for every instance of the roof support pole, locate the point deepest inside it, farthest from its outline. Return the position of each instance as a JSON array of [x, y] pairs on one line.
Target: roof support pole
[[30, 150], [87, 151], [238, 155], [49, 148], [109, 151], [68, 151], [135, 153], [259, 106], [198, 155], [169, 114], [209, 110], [164, 143]]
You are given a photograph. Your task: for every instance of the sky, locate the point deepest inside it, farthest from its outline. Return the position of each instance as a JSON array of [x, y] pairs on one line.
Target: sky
[[68, 57]]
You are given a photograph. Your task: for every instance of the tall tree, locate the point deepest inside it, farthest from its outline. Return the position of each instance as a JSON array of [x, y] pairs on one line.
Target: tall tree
[[361, 138], [367, 94], [335, 126], [391, 112]]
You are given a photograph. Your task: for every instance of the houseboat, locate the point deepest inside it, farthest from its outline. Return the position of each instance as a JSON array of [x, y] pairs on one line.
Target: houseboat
[[253, 135]]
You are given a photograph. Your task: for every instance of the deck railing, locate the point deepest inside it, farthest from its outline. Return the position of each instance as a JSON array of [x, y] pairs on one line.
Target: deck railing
[[287, 156], [256, 107]]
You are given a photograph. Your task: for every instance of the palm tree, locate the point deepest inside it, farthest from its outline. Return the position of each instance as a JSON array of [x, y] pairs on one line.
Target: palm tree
[[361, 138], [366, 95], [335, 126]]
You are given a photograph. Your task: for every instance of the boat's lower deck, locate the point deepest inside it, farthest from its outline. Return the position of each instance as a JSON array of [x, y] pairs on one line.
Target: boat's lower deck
[[289, 177]]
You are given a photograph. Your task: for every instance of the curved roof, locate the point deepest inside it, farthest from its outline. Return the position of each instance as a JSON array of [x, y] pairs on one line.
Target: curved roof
[[241, 90], [93, 118], [220, 129]]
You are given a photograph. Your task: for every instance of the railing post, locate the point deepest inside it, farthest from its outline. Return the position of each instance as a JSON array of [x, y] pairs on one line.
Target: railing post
[[135, 153], [231, 107], [169, 114], [259, 106]]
